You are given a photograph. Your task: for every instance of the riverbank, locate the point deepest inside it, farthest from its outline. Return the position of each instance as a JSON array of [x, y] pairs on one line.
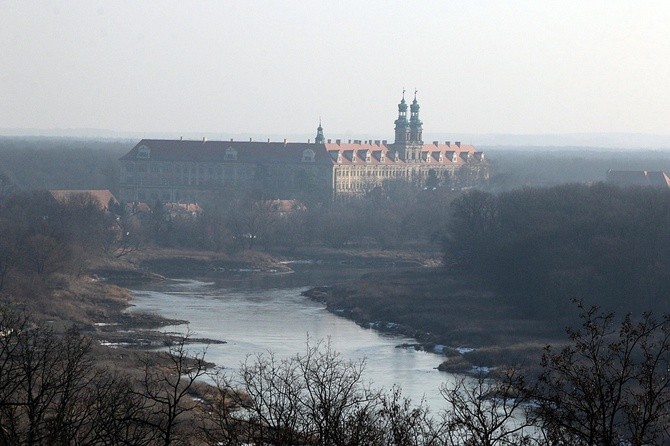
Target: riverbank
[[449, 314], [452, 314]]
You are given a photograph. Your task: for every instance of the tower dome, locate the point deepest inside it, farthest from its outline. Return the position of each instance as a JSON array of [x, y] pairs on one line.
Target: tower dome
[[415, 124], [319, 139], [401, 124]]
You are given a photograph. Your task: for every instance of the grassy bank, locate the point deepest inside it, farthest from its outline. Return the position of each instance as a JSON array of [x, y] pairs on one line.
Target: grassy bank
[[451, 313]]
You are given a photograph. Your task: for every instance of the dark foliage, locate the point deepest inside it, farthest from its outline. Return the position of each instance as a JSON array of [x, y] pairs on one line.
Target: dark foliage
[[542, 247], [60, 163]]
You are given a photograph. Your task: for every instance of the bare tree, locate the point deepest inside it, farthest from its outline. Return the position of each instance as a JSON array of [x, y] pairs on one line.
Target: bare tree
[[167, 387], [117, 415], [315, 398], [405, 424], [611, 385], [486, 412], [335, 392], [43, 377]]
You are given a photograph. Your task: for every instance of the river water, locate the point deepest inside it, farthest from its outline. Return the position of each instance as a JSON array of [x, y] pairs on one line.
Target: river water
[[256, 312]]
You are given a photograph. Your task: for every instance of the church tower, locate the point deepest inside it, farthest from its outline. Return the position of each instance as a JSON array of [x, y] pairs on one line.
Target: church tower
[[319, 139], [415, 124], [408, 139], [401, 124]]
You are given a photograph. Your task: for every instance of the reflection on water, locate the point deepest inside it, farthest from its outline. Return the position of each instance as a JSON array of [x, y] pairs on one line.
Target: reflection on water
[[256, 313]]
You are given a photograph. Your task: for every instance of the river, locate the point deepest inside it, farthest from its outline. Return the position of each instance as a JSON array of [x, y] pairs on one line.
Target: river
[[256, 312]]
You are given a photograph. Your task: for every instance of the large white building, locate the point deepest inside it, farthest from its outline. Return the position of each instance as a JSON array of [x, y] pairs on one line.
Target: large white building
[[201, 171]]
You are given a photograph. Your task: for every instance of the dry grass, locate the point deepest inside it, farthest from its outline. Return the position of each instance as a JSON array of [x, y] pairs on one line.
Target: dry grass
[[186, 263], [437, 307]]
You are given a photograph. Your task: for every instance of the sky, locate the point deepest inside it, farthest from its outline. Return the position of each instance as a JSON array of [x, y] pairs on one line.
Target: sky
[[277, 67]]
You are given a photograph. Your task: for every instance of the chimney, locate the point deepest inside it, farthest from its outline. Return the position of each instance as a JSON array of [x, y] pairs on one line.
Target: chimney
[[448, 143], [204, 139], [377, 142], [338, 141], [181, 138], [309, 140], [231, 139], [458, 143], [249, 139], [349, 141], [384, 141], [284, 141], [436, 143], [329, 141], [268, 139]]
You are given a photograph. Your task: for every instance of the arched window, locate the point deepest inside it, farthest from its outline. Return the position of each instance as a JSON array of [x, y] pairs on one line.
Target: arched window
[[231, 154], [308, 156], [143, 152]]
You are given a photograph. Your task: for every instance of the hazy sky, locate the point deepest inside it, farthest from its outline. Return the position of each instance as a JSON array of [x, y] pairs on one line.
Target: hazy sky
[[274, 67]]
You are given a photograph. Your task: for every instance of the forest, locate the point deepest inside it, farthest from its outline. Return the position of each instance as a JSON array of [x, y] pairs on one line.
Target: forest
[[541, 248]]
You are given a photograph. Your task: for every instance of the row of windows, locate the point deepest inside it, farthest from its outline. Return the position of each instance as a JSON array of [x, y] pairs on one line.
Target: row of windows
[[178, 168], [428, 157], [383, 173]]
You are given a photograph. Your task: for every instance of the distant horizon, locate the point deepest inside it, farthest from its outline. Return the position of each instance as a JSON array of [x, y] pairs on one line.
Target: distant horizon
[[599, 140]]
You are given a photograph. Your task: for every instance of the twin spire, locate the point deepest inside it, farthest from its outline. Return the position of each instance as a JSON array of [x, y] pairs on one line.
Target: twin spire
[[405, 131], [408, 131]]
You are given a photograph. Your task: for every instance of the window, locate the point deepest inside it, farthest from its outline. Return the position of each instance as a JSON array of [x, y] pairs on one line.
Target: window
[[308, 156], [231, 154], [143, 152]]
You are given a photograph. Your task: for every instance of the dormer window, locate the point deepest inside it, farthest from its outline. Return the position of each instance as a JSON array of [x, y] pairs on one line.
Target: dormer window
[[381, 157], [143, 152], [231, 154], [339, 157], [308, 156], [368, 156], [396, 155]]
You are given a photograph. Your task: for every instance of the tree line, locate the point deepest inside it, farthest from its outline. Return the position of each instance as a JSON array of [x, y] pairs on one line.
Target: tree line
[[540, 248], [31, 163], [377, 221]]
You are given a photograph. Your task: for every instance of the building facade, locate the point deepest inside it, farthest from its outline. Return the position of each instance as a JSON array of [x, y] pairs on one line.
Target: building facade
[[203, 171]]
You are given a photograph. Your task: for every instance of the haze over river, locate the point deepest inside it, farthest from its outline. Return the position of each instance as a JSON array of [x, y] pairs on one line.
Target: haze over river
[[259, 312]]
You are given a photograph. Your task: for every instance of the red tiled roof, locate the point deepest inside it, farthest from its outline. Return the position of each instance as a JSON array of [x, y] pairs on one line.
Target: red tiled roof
[[285, 206], [349, 150], [101, 196]]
